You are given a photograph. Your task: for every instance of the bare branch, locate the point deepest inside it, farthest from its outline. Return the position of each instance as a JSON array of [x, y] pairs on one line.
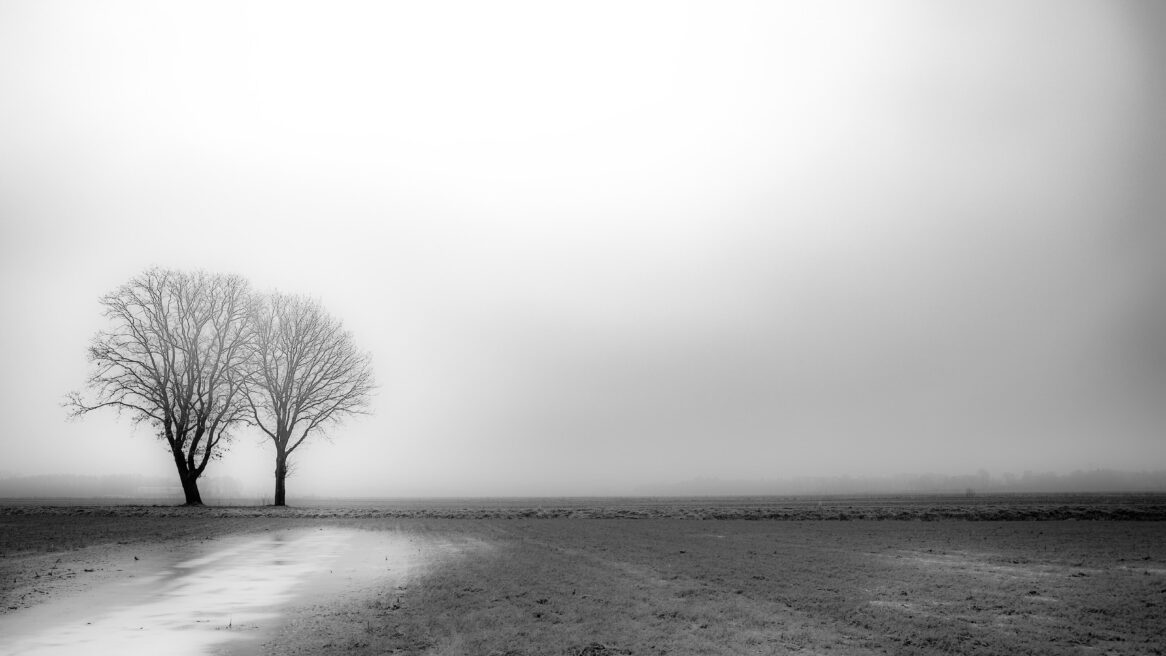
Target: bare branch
[[175, 356], [305, 375]]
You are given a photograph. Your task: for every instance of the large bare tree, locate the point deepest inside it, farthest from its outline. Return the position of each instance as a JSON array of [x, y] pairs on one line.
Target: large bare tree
[[174, 359], [306, 373]]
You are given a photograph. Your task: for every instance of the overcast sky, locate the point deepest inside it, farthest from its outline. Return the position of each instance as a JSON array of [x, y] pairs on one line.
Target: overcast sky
[[593, 245]]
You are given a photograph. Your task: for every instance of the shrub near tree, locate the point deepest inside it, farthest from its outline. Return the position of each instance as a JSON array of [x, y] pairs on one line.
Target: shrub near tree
[[305, 373], [175, 359]]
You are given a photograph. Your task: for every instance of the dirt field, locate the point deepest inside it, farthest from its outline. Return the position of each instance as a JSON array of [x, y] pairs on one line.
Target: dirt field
[[641, 586]]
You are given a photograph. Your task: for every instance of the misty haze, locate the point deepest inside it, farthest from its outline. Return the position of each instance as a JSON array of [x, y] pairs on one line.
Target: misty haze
[[487, 326]]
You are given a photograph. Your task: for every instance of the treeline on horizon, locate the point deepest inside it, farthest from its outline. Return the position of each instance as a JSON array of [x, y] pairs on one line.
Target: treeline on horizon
[[1093, 480], [138, 486]]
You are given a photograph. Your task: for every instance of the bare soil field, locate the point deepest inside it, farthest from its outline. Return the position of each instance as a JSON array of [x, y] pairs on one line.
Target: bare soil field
[[506, 583], [996, 507]]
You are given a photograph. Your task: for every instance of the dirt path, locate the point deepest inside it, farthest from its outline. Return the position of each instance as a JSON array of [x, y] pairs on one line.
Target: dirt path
[[227, 595]]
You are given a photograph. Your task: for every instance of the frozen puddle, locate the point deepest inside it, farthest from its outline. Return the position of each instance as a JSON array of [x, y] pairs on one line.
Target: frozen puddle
[[202, 604]]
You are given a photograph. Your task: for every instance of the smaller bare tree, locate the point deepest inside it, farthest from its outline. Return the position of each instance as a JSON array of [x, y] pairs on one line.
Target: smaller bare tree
[[305, 374], [174, 359]]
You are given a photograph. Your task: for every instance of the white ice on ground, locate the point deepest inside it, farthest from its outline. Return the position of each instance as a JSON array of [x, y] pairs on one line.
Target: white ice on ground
[[191, 606]]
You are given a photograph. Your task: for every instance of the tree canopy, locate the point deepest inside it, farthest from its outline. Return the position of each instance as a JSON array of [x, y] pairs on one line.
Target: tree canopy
[[175, 358], [305, 373]]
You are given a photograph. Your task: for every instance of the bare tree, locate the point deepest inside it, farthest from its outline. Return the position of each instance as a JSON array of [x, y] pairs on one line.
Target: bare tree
[[306, 373], [175, 359]]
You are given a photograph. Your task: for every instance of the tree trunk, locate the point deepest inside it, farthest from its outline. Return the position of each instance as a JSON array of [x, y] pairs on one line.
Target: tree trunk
[[280, 475], [189, 479], [190, 489]]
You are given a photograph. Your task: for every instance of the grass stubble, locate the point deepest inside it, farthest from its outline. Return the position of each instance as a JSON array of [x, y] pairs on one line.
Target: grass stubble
[[672, 586]]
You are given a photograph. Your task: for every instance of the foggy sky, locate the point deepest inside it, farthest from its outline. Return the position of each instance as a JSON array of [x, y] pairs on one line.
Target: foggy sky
[[598, 246]]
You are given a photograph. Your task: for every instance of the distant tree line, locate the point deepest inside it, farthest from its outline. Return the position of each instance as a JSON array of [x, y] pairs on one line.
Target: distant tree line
[[1094, 480], [120, 486], [197, 355]]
